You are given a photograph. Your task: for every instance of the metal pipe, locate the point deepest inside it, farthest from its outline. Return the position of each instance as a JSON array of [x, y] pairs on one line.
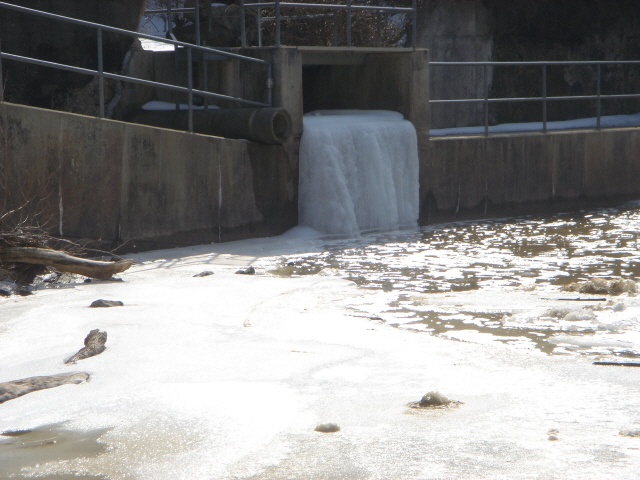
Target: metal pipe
[[198, 39], [599, 93], [259, 20], [169, 20], [414, 24], [378, 28], [1, 78], [485, 86], [270, 86], [107, 28], [278, 19], [544, 95], [348, 23], [243, 28], [124, 78], [325, 6], [100, 73], [190, 87], [265, 125]]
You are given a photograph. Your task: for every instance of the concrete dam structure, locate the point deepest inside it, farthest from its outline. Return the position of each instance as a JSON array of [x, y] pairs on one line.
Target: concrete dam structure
[[144, 186]]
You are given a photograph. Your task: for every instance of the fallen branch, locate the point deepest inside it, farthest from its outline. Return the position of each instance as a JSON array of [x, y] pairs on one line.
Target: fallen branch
[[17, 388], [93, 345], [63, 262], [618, 364]]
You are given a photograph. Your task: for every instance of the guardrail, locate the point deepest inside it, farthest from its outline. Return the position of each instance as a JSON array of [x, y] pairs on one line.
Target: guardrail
[[349, 7], [543, 98], [101, 74]]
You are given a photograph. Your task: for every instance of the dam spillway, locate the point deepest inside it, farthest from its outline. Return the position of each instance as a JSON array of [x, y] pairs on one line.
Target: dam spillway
[[358, 172]]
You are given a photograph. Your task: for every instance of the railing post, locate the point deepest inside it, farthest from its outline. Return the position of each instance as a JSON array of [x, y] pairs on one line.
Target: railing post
[[190, 86], [348, 23], [198, 40], [169, 20], [414, 24], [378, 27], [544, 98], [243, 28], [334, 30], [598, 93], [485, 86], [1, 77], [269, 85], [259, 20], [100, 73], [278, 20]]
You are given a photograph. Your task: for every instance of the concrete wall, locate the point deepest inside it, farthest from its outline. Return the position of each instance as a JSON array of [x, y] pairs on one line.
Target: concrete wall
[[461, 32], [118, 182], [476, 177]]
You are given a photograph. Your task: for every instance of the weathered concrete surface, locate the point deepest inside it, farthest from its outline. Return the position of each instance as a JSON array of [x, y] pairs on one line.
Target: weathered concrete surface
[[118, 182], [382, 81], [460, 32], [477, 176]]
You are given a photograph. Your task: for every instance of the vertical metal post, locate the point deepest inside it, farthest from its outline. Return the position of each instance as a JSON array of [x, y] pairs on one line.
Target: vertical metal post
[[243, 28], [269, 85], [544, 98], [198, 40], [334, 30], [598, 93], [348, 23], [1, 77], [278, 19], [169, 20], [205, 80], [414, 24], [100, 73], [485, 86], [259, 20], [190, 86], [378, 27]]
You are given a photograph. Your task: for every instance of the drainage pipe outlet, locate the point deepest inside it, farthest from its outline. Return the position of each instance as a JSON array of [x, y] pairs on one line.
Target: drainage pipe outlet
[[264, 125]]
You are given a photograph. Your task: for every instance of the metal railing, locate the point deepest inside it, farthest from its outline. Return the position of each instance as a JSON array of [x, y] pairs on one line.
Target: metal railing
[[544, 99], [189, 90], [349, 7]]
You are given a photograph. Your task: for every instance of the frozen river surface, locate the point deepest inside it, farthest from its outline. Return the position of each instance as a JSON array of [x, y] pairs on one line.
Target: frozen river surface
[[226, 376]]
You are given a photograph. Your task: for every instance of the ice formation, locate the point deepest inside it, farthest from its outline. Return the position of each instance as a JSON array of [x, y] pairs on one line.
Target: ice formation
[[358, 172]]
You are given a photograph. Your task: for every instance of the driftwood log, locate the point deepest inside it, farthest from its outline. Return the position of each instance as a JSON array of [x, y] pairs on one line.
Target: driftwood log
[[63, 262], [17, 388], [94, 344]]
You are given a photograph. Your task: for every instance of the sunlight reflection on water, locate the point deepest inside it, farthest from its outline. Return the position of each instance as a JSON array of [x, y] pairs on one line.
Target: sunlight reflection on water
[[508, 261]]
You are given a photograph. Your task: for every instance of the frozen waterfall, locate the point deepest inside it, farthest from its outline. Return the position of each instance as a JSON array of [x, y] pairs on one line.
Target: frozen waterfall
[[358, 172]]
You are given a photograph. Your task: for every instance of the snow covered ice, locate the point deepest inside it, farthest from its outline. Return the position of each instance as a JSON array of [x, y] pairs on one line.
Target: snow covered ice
[[227, 376], [358, 172]]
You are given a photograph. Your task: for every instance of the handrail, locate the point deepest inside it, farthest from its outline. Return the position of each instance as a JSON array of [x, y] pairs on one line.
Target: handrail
[[544, 98], [101, 74], [349, 7]]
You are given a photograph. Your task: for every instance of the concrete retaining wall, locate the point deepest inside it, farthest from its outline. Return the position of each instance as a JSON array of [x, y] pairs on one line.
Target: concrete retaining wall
[[118, 182], [475, 177]]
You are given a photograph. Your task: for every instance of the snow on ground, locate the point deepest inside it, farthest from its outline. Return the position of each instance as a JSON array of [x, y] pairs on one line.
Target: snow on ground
[[226, 376], [609, 121]]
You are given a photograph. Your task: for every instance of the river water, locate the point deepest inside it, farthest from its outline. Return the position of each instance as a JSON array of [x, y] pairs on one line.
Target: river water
[[557, 284]]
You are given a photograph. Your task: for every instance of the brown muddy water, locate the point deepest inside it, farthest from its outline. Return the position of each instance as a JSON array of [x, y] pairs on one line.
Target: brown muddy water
[[512, 281], [48, 443]]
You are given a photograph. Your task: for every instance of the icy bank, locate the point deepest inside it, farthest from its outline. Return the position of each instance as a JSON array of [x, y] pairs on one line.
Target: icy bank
[[358, 172]]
